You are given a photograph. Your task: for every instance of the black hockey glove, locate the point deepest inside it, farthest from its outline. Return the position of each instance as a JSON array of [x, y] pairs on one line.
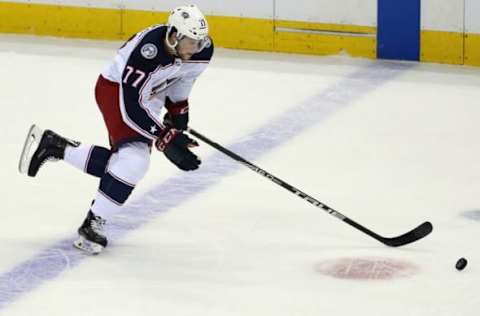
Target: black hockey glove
[[175, 145], [177, 115]]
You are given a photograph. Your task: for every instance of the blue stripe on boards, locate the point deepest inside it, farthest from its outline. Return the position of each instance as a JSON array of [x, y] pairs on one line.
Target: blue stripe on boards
[[49, 263], [398, 29]]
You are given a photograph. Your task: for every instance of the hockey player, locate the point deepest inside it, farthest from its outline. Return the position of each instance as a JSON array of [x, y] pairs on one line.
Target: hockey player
[[155, 69]]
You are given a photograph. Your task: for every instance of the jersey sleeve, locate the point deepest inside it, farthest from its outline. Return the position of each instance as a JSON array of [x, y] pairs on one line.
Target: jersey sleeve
[[147, 57]]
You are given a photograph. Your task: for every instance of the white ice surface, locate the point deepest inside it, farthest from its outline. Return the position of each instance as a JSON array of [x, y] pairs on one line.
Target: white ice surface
[[392, 158]]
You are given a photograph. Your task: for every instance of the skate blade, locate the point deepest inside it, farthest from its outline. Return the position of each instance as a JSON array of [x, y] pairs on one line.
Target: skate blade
[[31, 144], [87, 246]]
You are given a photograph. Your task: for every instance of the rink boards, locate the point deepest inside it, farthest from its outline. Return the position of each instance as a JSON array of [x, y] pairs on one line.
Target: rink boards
[[447, 31]]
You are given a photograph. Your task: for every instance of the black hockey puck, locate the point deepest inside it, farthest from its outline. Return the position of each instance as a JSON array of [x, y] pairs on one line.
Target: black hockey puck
[[461, 264]]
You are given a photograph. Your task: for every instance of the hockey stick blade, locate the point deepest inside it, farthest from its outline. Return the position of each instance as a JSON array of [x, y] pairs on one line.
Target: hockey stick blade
[[407, 238]]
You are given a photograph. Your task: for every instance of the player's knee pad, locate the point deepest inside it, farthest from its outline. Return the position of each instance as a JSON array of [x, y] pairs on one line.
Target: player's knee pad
[[126, 168], [131, 162]]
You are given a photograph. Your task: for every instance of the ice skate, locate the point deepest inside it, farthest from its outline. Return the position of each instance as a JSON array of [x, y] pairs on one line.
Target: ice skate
[[41, 146], [91, 238]]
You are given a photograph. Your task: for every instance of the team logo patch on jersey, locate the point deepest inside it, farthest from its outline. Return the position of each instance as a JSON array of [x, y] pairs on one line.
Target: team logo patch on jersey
[[149, 51]]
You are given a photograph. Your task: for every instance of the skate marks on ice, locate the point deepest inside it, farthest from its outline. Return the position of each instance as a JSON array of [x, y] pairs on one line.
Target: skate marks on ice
[[59, 257], [369, 268]]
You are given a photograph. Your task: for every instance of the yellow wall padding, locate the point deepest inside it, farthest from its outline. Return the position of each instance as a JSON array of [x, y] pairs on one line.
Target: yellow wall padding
[[472, 49], [325, 39], [227, 31], [441, 47], [57, 20]]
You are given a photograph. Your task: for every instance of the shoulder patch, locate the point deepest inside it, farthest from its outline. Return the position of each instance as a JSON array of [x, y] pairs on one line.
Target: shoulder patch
[[149, 51]]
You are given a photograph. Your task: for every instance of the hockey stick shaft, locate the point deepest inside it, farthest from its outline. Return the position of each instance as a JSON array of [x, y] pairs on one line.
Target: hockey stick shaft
[[417, 233]]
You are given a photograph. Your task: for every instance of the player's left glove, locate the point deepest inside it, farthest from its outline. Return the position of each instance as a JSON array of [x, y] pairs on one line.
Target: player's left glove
[[176, 147], [177, 115]]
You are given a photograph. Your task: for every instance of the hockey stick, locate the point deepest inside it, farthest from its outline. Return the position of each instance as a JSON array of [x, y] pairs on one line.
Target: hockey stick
[[409, 237]]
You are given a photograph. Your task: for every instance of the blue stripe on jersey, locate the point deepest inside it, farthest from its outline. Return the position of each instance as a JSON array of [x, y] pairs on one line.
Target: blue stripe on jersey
[[140, 63], [116, 190]]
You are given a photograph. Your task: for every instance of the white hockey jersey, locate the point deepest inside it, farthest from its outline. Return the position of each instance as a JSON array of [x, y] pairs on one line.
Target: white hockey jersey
[[147, 75]]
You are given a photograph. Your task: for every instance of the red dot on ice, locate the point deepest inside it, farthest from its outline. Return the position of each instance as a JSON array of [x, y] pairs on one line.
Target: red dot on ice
[[366, 268]]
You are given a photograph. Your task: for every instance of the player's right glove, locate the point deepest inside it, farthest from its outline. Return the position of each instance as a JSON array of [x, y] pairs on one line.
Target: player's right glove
[[175, 145]]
